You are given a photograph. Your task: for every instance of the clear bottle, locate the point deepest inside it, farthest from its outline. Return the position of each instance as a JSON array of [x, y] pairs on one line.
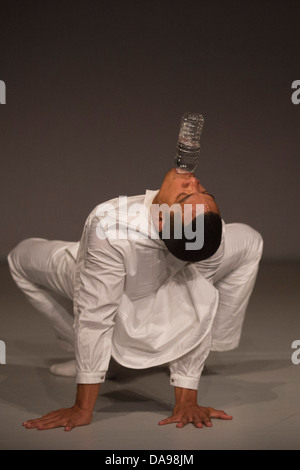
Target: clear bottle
[[188, 145]]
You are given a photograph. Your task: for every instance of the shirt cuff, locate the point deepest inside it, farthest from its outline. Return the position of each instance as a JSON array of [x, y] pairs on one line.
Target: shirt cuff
[[90, 377], [184, 382]]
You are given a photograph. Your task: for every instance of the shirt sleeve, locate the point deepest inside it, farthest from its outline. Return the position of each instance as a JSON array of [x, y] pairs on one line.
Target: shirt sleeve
[[99, 285], [186, 371]]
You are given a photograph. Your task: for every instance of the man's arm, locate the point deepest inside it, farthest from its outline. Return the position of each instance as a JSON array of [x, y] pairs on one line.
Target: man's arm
[[185, 375], [99, 284]]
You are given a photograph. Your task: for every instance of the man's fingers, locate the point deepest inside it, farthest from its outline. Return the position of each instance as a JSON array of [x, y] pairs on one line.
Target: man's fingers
[[48, 424], [69, 427], [68, 418], [33, 421], [36, 422], [198, 423], [44, 422], [199, 416], [219, 414], [43, 418], [169, 420], [207, 423], [182, 422]]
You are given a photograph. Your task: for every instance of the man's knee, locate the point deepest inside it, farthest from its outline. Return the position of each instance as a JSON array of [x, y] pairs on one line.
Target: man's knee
[[13, 257], [17, 254]]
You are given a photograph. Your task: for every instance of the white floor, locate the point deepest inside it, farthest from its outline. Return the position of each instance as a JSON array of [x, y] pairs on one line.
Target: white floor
[[257, 383]]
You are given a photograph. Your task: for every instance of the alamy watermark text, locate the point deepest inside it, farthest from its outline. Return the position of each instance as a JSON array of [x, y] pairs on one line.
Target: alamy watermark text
[[2, 352], [2, 92], [296, 94]]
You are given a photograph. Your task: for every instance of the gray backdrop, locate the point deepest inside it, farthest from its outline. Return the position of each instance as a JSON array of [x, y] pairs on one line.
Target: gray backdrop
[[95, 92]]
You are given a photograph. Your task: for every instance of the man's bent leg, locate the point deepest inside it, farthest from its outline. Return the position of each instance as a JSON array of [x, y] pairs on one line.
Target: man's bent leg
[[44, 272], [235, 279]]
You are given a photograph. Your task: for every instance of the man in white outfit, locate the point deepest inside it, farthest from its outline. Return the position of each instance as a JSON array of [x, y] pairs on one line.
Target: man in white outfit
[[131, 295]]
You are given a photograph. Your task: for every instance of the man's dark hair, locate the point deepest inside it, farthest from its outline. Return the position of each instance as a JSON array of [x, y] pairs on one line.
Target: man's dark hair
[[212, 238]]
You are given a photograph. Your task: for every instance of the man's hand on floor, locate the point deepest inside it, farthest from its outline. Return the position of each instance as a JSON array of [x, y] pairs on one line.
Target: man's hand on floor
[[69, 418], [187, 410], [185, 413], [78, 415]]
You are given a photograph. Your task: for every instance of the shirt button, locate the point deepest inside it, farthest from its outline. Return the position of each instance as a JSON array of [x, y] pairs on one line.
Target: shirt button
[[172, 380], [102, 377]]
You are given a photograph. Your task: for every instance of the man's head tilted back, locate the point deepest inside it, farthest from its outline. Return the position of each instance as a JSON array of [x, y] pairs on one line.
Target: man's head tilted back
[[184, 191]]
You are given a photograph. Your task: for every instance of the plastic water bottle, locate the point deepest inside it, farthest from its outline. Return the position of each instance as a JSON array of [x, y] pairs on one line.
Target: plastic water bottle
[[188, 145]]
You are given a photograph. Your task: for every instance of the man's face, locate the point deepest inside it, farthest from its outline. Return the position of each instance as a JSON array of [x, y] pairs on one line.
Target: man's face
[[184, 188]]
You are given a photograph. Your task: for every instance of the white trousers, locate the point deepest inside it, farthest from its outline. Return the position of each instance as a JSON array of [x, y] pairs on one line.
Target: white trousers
[[44, 271]]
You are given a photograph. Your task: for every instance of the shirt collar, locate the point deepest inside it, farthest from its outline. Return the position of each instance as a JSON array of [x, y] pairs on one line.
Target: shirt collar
[[149, 196]]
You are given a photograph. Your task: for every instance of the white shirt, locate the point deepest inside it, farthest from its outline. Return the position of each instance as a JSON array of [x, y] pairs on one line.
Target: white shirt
[[137, 302]]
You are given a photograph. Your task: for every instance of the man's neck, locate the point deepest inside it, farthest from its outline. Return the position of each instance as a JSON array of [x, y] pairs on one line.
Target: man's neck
[[155, 200]]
